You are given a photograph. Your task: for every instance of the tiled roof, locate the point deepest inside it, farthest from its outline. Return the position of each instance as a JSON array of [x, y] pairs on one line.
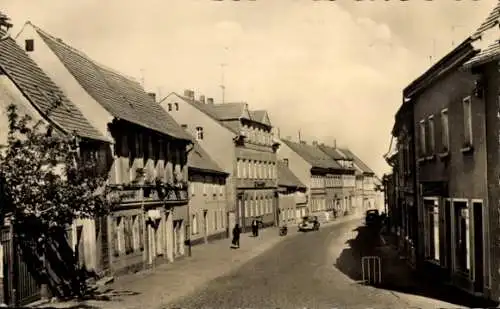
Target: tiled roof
[[258, 115], [334, 153], [492, 49], [490, 21], [120, 96], [42, 92], [313, 155], [208, 110], [286, 178], [228, 111], [365, 168], [199, 159]]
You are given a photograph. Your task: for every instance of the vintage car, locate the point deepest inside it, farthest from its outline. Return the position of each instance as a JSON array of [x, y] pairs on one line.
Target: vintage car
[[309, 223], [372, 217]]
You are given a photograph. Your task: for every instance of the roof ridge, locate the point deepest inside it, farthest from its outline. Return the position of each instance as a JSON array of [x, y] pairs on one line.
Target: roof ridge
[[81, 53]]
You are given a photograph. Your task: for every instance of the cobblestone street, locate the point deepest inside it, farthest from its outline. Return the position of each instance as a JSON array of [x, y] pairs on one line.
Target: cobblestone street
[[168, 282]]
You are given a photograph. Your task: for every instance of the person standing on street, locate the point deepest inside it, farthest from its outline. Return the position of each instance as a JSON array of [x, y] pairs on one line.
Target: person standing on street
[[236, 235], [254, 228]]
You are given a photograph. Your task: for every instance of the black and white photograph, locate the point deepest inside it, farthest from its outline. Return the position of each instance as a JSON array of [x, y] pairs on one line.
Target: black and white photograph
[[275, 154]]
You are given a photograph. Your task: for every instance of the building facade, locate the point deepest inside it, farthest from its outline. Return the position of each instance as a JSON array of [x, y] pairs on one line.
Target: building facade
[[207, 198], [24, 84], [404, 211], [241, 143], [318, 172], [147, 161], [292, 198], [344, 190]]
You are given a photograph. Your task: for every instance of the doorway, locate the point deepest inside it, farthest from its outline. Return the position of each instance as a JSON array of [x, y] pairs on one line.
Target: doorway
[[478, 247], [448, 246]]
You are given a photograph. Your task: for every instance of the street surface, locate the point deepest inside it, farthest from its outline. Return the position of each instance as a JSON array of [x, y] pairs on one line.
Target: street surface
[[303, 272]]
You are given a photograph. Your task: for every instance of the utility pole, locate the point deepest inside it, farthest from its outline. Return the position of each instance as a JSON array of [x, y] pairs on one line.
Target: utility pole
[[222, 86]]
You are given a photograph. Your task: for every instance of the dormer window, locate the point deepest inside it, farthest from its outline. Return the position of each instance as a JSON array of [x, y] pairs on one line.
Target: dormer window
[[199, 133], [176, 106], [169, 107], [29, 45]]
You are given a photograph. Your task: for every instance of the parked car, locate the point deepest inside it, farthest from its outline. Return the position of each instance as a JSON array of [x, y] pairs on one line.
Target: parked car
[[371, 217], [309, 223]]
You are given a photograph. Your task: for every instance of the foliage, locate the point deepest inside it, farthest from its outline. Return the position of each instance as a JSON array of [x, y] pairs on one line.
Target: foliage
[[46, 179]]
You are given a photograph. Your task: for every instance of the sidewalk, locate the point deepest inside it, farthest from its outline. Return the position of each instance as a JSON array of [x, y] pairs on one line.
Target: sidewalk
[[167, 282], [397, 276]]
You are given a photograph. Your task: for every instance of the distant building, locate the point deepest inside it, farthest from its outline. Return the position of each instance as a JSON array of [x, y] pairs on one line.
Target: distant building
[[292, 197], [207, 197], [318, 172], [241, 143]]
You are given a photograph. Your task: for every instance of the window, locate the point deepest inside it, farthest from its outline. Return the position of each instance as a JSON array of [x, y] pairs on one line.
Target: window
[[239, 172], [176, 106], [423, 150], [262, 206], [29, 45], [199, 133], [462, 244], [216, 219], [467, 121], [169, 107], [184, 126], [445, 134], [432, 229], [430, 137], [252, 210], [194, 224], [246, 204], [285, 161]]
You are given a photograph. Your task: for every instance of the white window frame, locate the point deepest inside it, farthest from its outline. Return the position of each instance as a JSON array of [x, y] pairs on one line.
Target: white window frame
[[454, 236], [431, 133], [467, 110], [445, 129], [422, 140]]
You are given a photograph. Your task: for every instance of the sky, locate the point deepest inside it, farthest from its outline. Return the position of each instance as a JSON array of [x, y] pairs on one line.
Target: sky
[[333, 70]]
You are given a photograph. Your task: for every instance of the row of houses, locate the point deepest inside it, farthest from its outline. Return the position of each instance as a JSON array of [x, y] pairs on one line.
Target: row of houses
[[186, 169], [443, 191]]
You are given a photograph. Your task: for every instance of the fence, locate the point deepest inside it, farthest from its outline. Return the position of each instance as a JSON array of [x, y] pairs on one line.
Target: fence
[[371, 269]]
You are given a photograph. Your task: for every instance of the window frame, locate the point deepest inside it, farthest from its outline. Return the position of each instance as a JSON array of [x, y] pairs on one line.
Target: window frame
[[467, 118], [445, 130]]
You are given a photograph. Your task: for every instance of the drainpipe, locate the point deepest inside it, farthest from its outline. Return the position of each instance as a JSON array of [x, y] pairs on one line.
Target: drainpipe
[[188, 223]]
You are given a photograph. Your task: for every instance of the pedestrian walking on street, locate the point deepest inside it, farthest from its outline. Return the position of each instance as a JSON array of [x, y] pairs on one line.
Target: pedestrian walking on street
[[255, 228], [236, 236]]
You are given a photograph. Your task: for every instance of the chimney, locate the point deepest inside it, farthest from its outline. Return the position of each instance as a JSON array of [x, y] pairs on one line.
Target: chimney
[[210, 100], [202, 99], [189, 93], [152, 95]]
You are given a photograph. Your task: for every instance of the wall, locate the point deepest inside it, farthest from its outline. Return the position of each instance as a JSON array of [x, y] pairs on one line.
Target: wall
[[464, 172], [207, 205], [217, 140], [287, 207], [491, 97]]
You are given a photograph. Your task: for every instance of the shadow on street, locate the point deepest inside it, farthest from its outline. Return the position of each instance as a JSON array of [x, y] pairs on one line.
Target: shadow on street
[[396, 274]]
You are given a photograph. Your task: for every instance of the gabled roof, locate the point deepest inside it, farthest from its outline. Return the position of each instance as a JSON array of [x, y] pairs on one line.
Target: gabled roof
[[334, 153], [122, 97], [313, 155], [43, 93], [199, 159], [207, 109], [230, 111], [489, 22], [260, 116], [286, 178], [365, 168]]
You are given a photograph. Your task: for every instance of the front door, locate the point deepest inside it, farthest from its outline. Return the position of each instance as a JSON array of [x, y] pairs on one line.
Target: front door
[[478, 247], [448, 247]]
